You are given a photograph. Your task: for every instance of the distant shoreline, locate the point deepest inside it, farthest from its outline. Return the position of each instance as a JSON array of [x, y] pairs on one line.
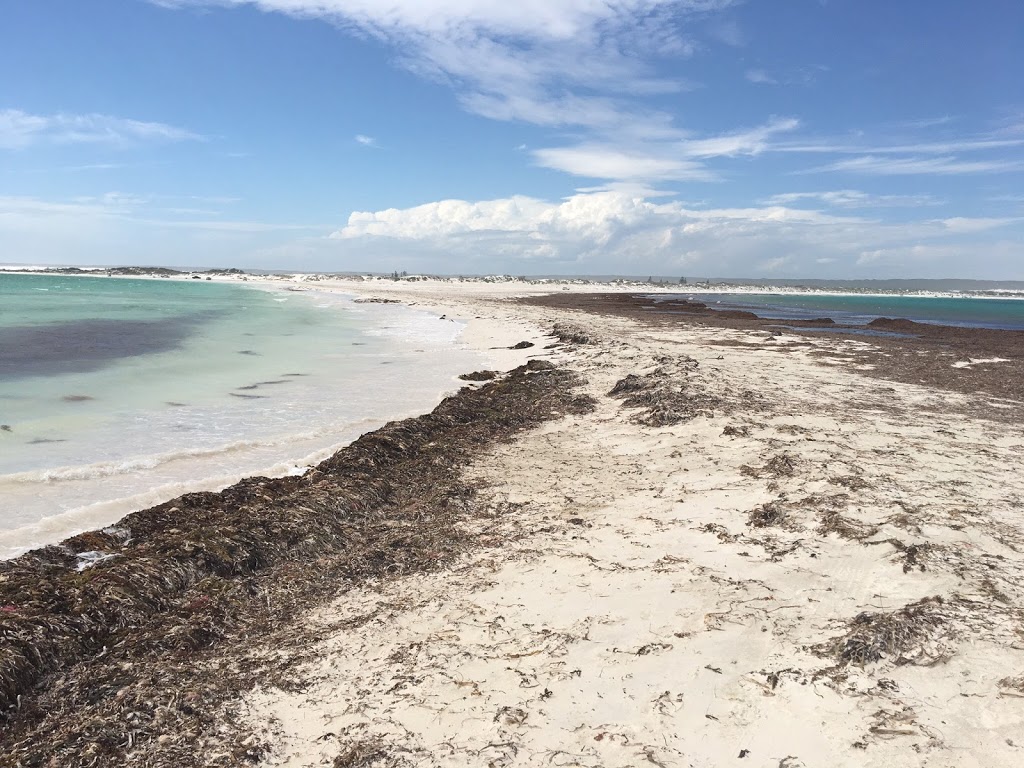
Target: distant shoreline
[[1014, 289]]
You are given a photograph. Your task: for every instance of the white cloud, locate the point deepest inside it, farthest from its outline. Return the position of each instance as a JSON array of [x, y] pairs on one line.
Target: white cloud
[[760, 76], [906, 166], [511, 58], [620, 233], [646, 161], [962, 224], [852, 198], [366, 141], [20, 129], [610, 162], [749, 142], [971, 144]]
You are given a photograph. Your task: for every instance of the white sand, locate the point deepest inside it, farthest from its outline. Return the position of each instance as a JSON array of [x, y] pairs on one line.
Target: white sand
[[628, 615]]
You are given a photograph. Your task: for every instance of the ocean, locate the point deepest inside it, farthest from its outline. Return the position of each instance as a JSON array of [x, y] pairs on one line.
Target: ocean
[[857, 309], [118, 394]]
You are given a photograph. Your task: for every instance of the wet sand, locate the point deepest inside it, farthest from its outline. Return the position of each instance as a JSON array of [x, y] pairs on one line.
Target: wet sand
[[686, 539]]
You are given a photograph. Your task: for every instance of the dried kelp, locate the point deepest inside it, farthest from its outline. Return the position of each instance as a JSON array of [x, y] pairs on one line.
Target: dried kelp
[[773, 513], [106, 660], [479, 376], [571, 334], [918, 633], [665, 399]]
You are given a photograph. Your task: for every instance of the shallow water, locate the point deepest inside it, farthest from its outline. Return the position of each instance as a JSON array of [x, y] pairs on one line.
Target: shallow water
[[120, 394], [860, 310]]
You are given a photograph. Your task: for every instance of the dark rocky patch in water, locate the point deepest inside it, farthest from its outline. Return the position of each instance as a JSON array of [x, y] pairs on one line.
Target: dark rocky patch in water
[[77, 398]]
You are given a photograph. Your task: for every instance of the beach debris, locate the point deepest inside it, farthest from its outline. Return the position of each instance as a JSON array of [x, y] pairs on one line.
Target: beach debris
[[371, 755], [1012, 686], [919, 633], [375, 300], [832, 521], [852, 482], [780, 465], [120, 658], [522, 345], [732, 431], [664, 399], [912, 556], [479, 376], [768, 514], [571, 334], [77, 398]]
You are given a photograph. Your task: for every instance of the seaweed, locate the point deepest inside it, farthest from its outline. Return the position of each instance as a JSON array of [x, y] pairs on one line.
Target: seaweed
[[918, 633], [571, 334], [771, 514], [831, 521], [664, 400], [120, 658], [479, 376]]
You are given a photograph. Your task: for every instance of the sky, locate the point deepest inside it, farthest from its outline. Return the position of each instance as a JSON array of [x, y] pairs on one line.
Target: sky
[[697, 138]]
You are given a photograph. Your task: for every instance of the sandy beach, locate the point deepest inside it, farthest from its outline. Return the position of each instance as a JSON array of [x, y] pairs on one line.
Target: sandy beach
[[685, 540]]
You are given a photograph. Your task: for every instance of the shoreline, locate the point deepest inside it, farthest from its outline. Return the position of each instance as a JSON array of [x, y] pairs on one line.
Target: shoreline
[[614, 284], [59, 525], [750, 544]]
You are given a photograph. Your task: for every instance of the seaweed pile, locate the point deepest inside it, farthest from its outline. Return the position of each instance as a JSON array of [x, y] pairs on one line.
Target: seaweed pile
[[571, 334], [918, 633], [664, 400], [107, 641]]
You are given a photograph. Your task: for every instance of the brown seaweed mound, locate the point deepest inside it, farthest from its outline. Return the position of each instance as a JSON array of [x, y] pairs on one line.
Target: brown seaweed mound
[[102, 639], [665, 398], [917, 633]]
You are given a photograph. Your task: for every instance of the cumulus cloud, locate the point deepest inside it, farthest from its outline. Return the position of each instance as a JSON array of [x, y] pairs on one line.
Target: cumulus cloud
[[20, 129], [615, 232], [366, 141]]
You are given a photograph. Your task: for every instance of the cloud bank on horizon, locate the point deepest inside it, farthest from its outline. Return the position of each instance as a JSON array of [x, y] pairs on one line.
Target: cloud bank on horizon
[[715, 137]]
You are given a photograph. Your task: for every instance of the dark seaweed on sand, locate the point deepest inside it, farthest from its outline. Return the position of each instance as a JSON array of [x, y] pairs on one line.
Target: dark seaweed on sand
[[102, 660], [664, 399], [479, 376], [918, 633]]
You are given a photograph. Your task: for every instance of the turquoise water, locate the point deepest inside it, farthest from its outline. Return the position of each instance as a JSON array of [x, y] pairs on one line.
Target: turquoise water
[[859, 310], [116, 394]]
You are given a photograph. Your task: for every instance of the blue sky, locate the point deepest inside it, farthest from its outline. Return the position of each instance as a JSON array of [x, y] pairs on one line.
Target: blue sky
[[789, 138]]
